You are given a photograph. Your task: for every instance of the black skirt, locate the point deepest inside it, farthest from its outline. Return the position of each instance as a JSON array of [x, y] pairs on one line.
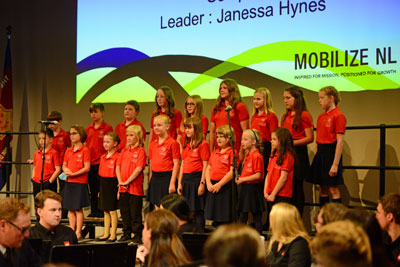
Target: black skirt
[[190, 186], [266, 153], [322, 164], [158, 187], [75, 196], [251, 198], [108, 194], [302, 163], [218, 205]]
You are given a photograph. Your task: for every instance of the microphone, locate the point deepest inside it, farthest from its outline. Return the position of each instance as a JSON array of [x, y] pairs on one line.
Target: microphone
[[228, 108], [48, 122]]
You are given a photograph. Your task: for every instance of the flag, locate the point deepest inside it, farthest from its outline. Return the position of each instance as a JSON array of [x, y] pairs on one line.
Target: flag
[[6, 106]]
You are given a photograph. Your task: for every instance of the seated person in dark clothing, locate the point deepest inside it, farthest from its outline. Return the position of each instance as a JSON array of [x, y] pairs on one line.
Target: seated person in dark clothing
[[388, 216], [15, 221], [179, 206], [48, 210]]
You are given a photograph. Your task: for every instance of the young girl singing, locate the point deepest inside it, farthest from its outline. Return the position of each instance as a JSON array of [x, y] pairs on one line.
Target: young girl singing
[[326, 168], [165, 105], [109, 186], [264, 120], [195, 155], [164, 162], [130, 166], [300, 124], [76, 167], [279, 181], [251, 197], [219, 173]]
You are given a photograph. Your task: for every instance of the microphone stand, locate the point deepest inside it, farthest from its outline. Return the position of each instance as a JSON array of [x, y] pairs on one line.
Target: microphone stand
[[235, 167], [43, 156]]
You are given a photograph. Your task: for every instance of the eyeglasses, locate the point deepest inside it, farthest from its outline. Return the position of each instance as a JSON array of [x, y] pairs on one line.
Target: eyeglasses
[[74, 133], [22, 230]]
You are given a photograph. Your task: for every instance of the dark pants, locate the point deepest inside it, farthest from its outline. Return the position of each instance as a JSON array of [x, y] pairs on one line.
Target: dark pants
[[131, 212], [298, 195], [46, 185], [257, 218], [94, 187]]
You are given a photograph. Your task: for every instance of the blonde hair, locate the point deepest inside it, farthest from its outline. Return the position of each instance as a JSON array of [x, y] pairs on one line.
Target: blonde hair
[[332, 91], [11, 207], [286, 224], [234, 245], [342, 243], [255, 135], [267, 100], [197, 133], [164, 118], [138, 132], [224, 130], [199, 106]]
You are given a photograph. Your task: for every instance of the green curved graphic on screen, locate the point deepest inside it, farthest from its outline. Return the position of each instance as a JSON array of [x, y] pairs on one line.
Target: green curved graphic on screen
[[285, 51]]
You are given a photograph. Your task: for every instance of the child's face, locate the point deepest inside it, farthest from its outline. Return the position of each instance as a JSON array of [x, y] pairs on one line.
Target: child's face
[[274, 141], [190, 106], [222, 141], [131, 138], [109, 143], [130, 112], [160, 127], [258, 101], [161, 99], [289, 100], [324, 100], [247, 141], [223, 91], [74, 135], [189, 130], [41, 140], [54, 127], [96, 114]]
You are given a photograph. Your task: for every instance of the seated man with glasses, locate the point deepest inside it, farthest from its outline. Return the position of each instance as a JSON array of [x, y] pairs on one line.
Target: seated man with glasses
[[15, 221], [48, 210]]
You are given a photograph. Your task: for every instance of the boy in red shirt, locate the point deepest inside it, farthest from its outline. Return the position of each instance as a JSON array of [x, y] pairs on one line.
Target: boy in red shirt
[[95, 135]]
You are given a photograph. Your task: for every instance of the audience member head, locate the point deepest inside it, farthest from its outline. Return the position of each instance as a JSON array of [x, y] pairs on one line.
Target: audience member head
[[341, 243], [286, 224], [15, 221], [48, 208], [178, 205], [330, 212], [388, 211], [234, 245], [160, 238]]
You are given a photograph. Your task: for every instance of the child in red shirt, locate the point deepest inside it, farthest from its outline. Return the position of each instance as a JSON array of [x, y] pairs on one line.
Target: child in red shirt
[[165, 105], [164, 162], [95, 135], [52, 164], [300, 124], [264, 120], [130, 166], [131, 110], [251, 197], [279, 181], [326, 168], [195, 155], [109, 186], [219, 173], [76, 167]]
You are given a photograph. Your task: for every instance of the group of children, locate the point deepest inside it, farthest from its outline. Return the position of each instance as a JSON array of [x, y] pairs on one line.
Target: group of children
[[274, 161]]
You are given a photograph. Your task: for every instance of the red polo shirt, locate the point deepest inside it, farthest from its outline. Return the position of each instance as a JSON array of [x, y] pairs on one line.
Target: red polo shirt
[[306, 122], [162, 155], [329, 124], [121, 131], [274, 173], [51, 160], [107, 165], [193, 158], [95, 139], [61, 142], [239, 114], [129, 160], [253, 163], [175, 123], [75, 161], [220, 163], [265, 124]]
